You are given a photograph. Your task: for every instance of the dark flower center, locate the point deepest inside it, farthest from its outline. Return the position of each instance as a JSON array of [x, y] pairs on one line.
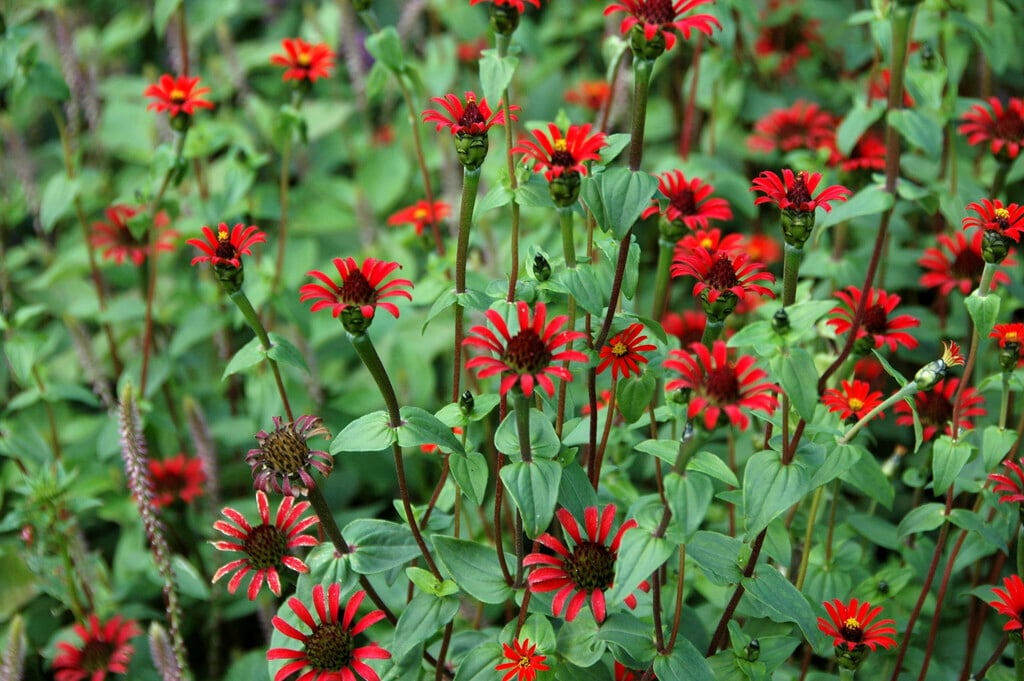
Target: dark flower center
[[562, 157], [330, 647], [934, 409], [266, 546], [876, 320], [356, 290], [791, 134], [526, 353], [284, 451], [722, 385], [657, 12], [1010, 127], [591, 566], [683, 201], [226, 250], [722, 275], [798, 193], [169, 482], [96, 656], [968, 265], [471, 115], [851, 630]]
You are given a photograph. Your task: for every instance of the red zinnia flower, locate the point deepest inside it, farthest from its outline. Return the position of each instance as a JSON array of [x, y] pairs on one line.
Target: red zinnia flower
[[283, 456], [854, 399], [117, 240], [420, 214], [688, 201], [719, 385], [935, 408], [1011, 484], [787, 39], [849, 625], [762, 248], [1010, 602], [622, 352], [802, 126], [688, 327], [225, 248], [795, 191], [176, 478], [177, 95], [473, 118], [876, 322], [957, 264], [1008, 333], [590, 94], [722, 272], [584, 572], [361, 287], [993, 216], [662, 16], [557, 154], [516, 4], [1002, 127], [104, 650], [304, 61], [470, 51], [528, 358], [266, 547], [868, 154], [710, 240], [329, 651], [871, 371], [522, 662]]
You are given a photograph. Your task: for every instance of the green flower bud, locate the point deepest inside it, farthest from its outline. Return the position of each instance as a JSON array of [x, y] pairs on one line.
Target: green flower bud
[[471, 149], [780, 321], [230, 277], [995, 246], [354, 321], [504, 19], [850, 659], [565, 189], [466, 403], [1009, 356], [930, 374], [718, 310], [672, 230], [797, 226], [752, 650], [644, 48], [180, 123], [541, 267], [863, 345]]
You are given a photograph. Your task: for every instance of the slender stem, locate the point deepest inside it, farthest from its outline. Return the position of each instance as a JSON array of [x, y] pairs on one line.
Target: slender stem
[[987, 274], [241, 301], [812, 516], [609, 417], [48, 407], [282, 224], [691, 101], [1004, 402], [996, 654], [836, 485], [680, 584], [470, 188], [999, 179], [665, 251], [446, 639], [422, 161], [327, 521], [565, 221], [499, 495], [1018, 660], [641, 86], [718, 639], [563, 386], [521, 404], [908, 390], [712, 330], [432, 503], [613, 299], [501, 44], [790, 273], [939, 599]]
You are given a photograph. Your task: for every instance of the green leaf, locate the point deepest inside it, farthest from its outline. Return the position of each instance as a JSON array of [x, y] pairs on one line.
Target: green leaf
[[758, 335], [717, 555], [423, 617], [420, 427], [684, 662], [578, 641], [640, 554], [920, 128], [995, 443], [369, 433], [283, 351], [470, 472], [617, 197], [855, 123], [984, 312], [57, 199], [867, 476], [709, 464], [948, 459], [250, 354], [575, 493], [495, 75], [386, 47], [379, 545], [443, 302], [841, 459], [922, 519], [629, 633], [689, 498], [666, 450], [43, 79], [782, 602], [21, 355], [972, 522], [871, 200], [326, 566], [533, 487], [474, 567], [799, 378], [582, 282], [544, 442], [162, 11], [479, 663], [633, 395], [188, 580], [770, 488]]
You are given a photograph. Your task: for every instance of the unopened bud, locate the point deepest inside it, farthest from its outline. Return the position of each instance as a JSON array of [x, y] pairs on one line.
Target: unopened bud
[[541, 267], [780, 321], [752, 650], [721, 308], [504, 19], [995, 246], [1009, 356], [466, 403]]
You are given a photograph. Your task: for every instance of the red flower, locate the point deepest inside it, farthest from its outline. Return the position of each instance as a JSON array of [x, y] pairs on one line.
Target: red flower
[[622, 352], [283, 456], [993, 216], [854, 399], [762, 248], [849, 625], [515, 4], [556, 154], [710, 240], [720, 386], [786, 40], [622, 673], [721, 273], [802, 126], [361, 287], [116, 240], [1010, 602], [957, 264], [104, 650], [529, 358], [688, 327], [662, 16], [871, 371], [329, 652], [177, 95], [225, 248], [266, 547], [420, 214], [473, 118], [590, 94], [469, 52], [688, 202], [304, 61], [795, 192], [1002, 127], [584, 572], [431, 448], [877, 322], [522, 662], [935, 408], [868, 154], [176, 478], [1008, 333], [1012, 484]]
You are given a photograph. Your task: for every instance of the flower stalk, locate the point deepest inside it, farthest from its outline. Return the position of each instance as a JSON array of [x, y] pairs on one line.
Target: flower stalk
[[241, 301], [470, 189], [642, 69]]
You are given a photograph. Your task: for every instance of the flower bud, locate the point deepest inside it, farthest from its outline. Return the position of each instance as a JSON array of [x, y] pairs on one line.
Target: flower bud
[[672, 231], [780, 321], [752, 650], [797, 226], [995, 246], [229, 276], [541, 267], [471, 149], [354, 321], [850, 659], [466, 403], [863, 345], [504, 19], [642, 47], [1009, 356], [721, 308], [930, 374], [565, 189]]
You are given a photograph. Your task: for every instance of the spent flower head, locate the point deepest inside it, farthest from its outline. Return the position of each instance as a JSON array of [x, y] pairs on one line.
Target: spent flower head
[[282, 459]]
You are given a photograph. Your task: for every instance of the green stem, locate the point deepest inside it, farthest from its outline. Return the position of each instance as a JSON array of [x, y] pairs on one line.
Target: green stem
[[1018, 660], [641, 86], [323, 511], [565, 220], [908, 390], [712, 330], [282, 224], [808, 536], [1020, 547], [790, 273], [999, 179], [665, 252], [1004, 402], [501, 44], [846, 674], [470, 188], [521, 404], [241, 301]]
